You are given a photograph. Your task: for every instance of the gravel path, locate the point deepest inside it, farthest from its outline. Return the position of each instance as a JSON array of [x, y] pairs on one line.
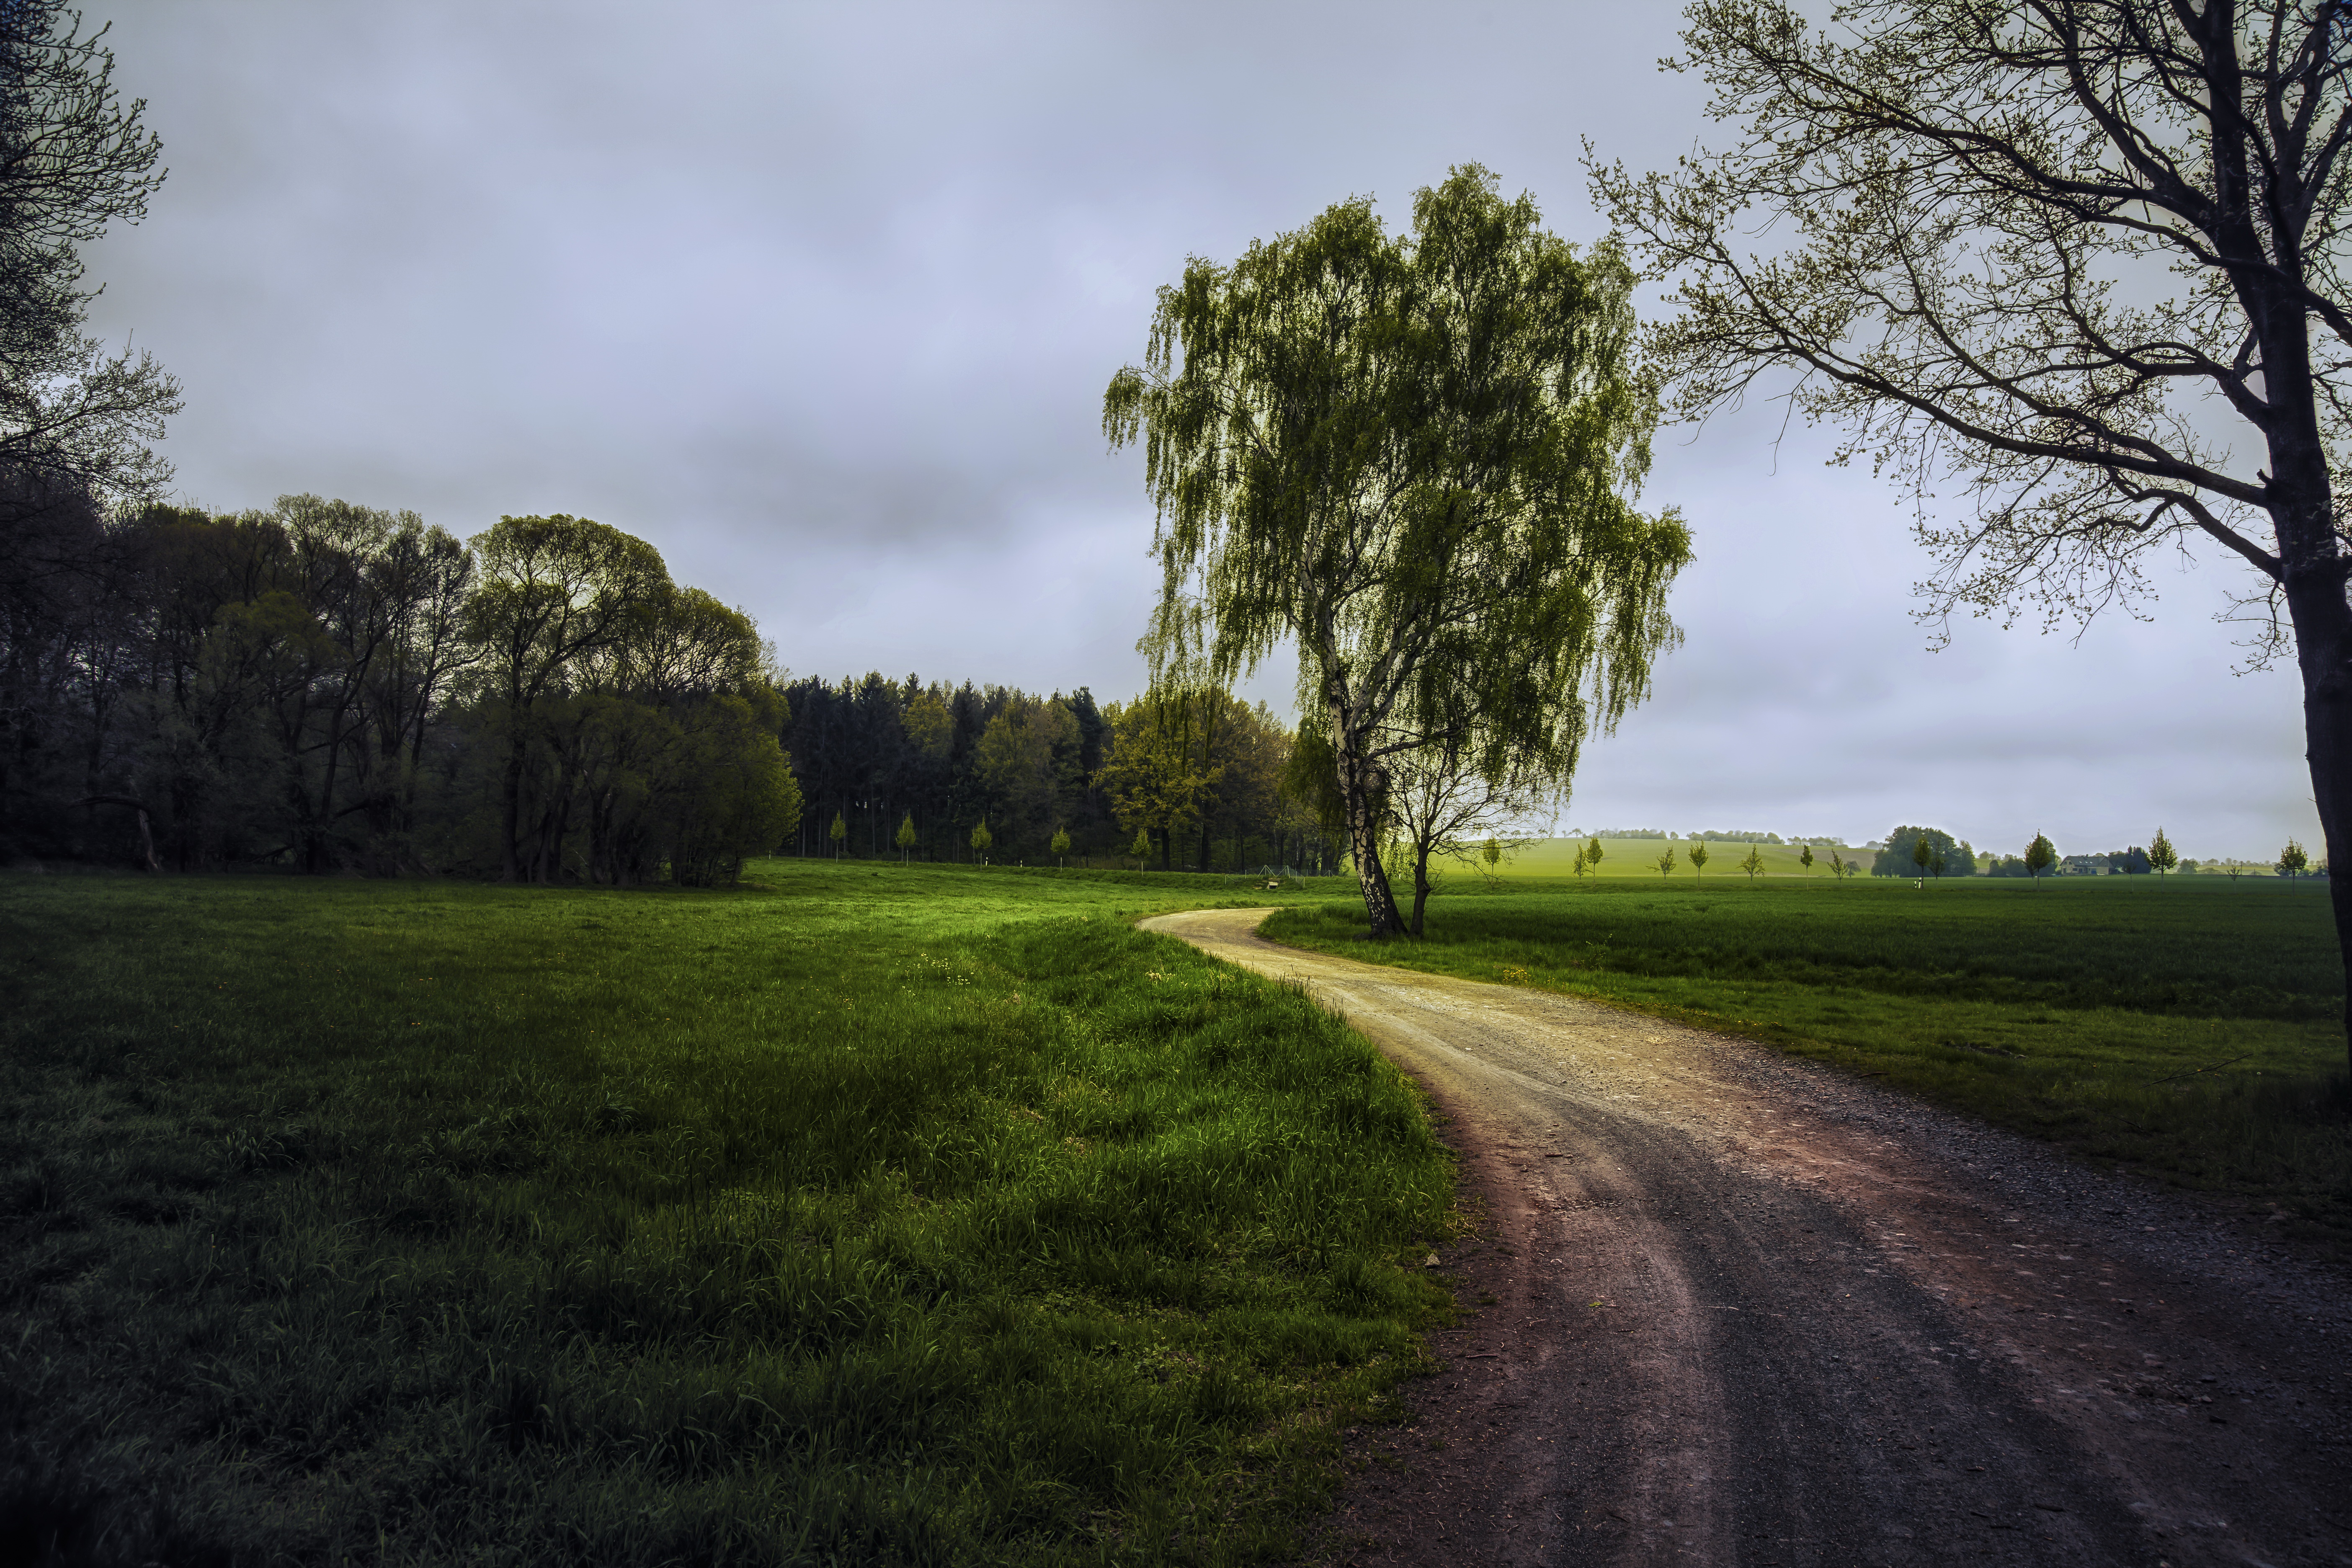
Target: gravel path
[[1743, 1308]]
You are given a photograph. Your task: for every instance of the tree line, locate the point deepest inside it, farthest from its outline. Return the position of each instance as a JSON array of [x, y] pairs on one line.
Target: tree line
[[1188, 778], [335, 688]]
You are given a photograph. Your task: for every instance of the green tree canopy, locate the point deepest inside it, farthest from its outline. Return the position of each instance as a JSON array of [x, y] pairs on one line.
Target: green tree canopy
[[2161, 854], [2040, 856], [1412, 453]]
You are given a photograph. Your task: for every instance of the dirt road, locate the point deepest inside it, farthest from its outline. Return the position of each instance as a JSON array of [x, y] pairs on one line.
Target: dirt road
[[1745, 1310]]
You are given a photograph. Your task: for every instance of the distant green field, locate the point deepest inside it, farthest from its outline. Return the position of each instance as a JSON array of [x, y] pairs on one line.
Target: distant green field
[[862, 1214], [2187, 1028], [1638, 857]]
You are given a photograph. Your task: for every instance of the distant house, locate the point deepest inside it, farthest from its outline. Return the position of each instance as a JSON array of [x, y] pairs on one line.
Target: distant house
[[2082, 866]]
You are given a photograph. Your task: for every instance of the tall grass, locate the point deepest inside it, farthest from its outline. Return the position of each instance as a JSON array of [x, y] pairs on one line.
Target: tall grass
[[933, 1218], [2191, 1029]]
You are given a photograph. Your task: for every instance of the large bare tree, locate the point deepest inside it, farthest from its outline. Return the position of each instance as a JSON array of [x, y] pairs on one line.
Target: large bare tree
[[2071, 268]]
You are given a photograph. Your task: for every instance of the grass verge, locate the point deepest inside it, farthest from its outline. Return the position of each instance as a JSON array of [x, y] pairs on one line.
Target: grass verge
[[926, 1217], [2190, 1030]]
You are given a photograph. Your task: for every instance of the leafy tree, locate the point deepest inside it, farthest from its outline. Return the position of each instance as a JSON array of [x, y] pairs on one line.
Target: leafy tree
[[554, 590], [1060, 845], [1592, 853], [981, 839], [1440, 803], [1411, 455], [1490, 856], [1805, 858], [2040, 856], [2161, 855], [1840, 867], [908, 838], [1698, 859], [1754, 864], [839, 832], [1901, 857], [1161, 767], [1962, 188], [1140, 848], [2292, 861], [1666, 862]]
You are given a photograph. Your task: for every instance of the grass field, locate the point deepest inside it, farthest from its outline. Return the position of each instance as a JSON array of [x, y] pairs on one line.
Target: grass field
[[1637, 858], [861, 1215], [2191, 1029]]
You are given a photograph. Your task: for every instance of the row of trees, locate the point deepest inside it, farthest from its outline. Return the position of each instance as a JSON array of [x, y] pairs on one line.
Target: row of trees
[[904, 769], [333, 687]]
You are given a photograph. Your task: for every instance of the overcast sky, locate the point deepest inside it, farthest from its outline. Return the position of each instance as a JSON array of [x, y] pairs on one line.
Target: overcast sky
[[821, 303]]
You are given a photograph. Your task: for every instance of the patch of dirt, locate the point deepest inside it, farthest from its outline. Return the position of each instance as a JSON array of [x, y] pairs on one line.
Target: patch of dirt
[[1745, 1309]]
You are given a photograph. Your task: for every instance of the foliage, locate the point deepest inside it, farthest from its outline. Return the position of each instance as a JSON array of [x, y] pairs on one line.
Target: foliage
[[2292, 861], [1410, 454], [982, 840], [1666, 861], [333, 687], [1754, 864], [1698, 858], [2040, 856], [2192, 1035], [1914, 851], [1805, 858], [857, 1215], [2161, 855]]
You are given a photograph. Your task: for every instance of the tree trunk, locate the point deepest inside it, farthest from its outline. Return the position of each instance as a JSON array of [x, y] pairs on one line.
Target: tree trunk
[[2322, 638], [1357, 781]]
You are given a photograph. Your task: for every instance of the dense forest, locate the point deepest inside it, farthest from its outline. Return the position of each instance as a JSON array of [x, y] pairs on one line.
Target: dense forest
[[1185, 780], [327, 687]]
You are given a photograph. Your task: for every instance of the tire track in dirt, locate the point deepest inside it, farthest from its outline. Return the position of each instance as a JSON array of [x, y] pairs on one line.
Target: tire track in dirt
[[1747, 1310]]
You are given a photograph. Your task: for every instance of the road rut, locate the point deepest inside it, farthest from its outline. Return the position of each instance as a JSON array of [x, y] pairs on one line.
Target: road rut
[[1747, 1310]]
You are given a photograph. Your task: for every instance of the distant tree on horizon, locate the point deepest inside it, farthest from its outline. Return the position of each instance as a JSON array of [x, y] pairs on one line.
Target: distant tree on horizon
[[2040, 856], [2162, 855]]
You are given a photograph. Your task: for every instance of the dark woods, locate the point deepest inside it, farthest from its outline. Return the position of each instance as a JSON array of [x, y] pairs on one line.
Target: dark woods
[[1187, 780], [330, 688]]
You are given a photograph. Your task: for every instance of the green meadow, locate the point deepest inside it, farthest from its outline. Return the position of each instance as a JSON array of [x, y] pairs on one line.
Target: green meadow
[[2189, 1028], [861, 1214], [1635, 858]]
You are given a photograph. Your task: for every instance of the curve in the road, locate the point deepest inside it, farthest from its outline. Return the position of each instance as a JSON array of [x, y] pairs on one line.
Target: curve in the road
[[1751, 1310]]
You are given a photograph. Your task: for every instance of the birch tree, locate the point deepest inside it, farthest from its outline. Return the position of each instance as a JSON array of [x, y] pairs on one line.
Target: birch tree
[[1415, 455]]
